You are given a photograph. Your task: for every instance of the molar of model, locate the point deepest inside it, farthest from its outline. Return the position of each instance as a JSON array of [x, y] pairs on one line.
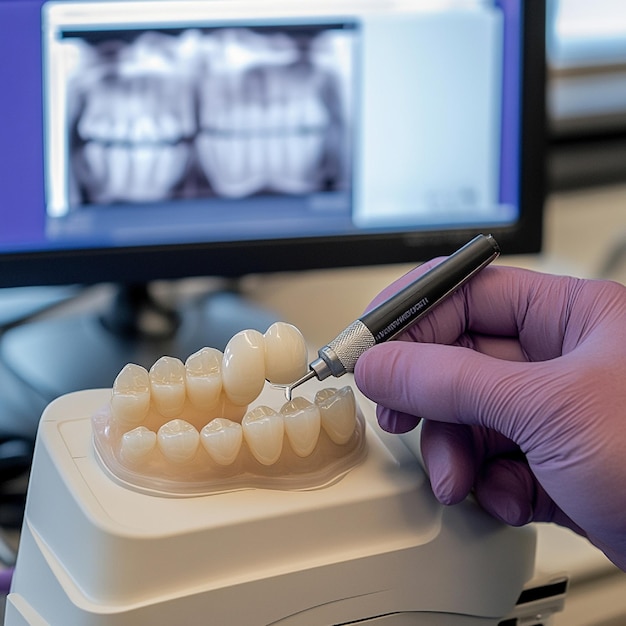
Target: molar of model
[[203, 376], [243, 367], [285, 353], [130, 399], [178, 440], [338, 413], [222, 440], [263, 430], [302, 425], [167, 382], [137, 444]]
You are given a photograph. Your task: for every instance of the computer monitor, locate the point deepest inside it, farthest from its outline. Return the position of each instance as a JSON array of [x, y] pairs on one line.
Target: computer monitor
[[161, 139]]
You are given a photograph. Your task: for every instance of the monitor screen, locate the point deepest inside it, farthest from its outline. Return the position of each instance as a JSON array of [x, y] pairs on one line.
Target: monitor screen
[[168, 138]]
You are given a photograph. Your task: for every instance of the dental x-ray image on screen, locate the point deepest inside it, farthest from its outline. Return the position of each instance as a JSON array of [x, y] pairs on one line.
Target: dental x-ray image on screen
[[151, 115], [234, 135]]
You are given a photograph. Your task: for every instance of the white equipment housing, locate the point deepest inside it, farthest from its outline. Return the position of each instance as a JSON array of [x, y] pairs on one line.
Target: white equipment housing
[[374, 547]]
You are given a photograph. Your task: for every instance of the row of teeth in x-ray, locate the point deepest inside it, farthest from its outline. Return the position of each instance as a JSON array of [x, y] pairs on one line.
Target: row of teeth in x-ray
[[182, 410], [245, 112]]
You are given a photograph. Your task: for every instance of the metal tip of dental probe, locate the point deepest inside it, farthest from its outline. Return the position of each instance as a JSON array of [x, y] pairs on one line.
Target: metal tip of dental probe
[[288, 389]]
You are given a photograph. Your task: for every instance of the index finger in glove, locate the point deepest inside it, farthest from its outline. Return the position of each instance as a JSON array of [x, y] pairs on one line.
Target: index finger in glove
[[502, 302]]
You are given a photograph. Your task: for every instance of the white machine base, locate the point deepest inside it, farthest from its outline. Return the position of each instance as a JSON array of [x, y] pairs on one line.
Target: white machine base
[[372, 548]]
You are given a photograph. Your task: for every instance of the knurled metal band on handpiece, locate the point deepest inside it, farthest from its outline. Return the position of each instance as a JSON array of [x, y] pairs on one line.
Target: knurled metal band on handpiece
[[341, 354]]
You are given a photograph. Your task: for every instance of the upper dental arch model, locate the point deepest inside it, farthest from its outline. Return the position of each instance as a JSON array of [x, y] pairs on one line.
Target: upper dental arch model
[[189, 428]]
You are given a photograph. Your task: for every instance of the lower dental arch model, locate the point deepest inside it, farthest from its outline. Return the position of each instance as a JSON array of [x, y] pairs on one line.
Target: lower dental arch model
[[192, 428]]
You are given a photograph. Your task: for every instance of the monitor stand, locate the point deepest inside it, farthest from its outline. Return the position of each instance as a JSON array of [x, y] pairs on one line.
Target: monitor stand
[[50, 357]]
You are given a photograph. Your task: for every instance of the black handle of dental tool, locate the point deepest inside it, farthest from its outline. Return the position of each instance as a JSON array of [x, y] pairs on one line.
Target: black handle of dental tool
[[416, 299], [403, 308]]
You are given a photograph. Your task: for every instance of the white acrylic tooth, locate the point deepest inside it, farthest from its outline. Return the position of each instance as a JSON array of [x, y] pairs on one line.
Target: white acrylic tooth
[[137, 444], [222, 439], [243, 367], [263, 430], [178, 440], [285, 353], [167, 381], [203, 377], [302, 425], [338, 412], [130, 398]]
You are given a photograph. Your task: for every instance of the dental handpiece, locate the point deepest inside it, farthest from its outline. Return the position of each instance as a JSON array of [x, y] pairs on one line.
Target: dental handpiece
[[404, 308]]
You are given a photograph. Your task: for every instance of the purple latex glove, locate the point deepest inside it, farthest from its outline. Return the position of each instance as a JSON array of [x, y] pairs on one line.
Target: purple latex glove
[[520, 378]]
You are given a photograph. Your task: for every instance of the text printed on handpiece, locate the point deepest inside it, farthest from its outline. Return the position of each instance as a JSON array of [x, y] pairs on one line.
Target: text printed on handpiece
[[401, 320]]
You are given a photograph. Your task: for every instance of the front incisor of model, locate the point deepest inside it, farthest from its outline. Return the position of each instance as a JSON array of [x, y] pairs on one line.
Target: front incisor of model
[[178, 440], [167, 383], [222, 439], [263, 430], [302, 425], [137, 444], [243, 367], [286, 354], [130, 398], [203, 376], [338, 413]]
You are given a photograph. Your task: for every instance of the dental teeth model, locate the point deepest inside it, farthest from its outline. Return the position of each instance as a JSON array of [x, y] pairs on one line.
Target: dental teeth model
[[230, 112], [213, 423]]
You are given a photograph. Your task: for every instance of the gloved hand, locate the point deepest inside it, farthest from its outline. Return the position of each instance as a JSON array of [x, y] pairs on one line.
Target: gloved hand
[[520, 378]]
